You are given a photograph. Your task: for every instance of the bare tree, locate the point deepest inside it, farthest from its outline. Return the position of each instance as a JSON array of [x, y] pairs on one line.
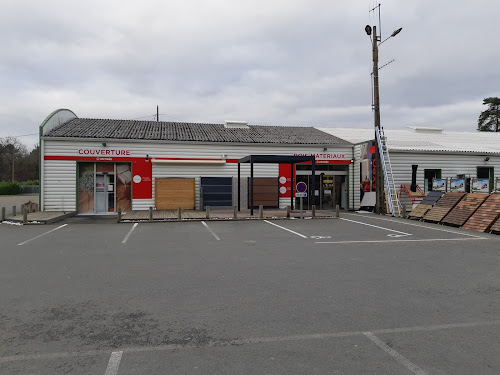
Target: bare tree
[[11, 150]]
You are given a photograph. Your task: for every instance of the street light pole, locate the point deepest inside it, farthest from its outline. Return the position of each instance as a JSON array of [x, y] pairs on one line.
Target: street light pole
[[378, 181]]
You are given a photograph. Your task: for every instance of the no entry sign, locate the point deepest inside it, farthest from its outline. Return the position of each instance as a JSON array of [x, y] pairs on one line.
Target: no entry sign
[[301, 187]]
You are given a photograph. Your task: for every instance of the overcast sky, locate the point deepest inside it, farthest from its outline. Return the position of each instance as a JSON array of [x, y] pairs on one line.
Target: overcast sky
[[268, 62]]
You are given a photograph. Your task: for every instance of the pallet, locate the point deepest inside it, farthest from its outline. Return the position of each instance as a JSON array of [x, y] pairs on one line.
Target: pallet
[[464, 209], [486, 216], [443, 207]]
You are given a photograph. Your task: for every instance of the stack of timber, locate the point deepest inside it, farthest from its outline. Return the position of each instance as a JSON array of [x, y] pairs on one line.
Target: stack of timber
[[464, 209], [486, 217], [443, 206], [426, 204]]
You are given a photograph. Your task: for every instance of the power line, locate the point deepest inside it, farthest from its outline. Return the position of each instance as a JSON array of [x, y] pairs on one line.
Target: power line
[[23, 135]]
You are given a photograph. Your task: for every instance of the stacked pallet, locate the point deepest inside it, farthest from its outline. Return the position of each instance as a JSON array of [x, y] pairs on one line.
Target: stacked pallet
[[464, 209], [486, 215], [443, 206]]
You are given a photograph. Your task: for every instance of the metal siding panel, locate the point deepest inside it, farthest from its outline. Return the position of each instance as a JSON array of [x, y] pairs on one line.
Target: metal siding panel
[[59, 185]]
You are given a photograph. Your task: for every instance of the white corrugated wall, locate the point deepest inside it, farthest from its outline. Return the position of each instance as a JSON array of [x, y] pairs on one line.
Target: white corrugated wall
[[59, 185], [451, 165], [60, 176]]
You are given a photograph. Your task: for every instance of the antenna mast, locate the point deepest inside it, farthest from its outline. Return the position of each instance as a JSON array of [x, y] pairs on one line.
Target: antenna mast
[[377, 9]]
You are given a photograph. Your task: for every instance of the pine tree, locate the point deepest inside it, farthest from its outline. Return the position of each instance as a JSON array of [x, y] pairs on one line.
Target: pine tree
[[489, 119]]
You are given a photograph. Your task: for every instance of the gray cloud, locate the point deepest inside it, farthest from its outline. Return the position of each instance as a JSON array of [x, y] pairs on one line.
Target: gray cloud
[[268, 62]]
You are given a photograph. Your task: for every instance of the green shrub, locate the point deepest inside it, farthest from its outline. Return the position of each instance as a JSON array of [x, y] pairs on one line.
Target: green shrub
[[30, 182], [10, 188]]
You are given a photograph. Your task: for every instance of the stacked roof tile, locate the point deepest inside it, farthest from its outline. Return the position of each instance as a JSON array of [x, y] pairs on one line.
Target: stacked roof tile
[[443, 206], [485, 216], [194, 132], [464, 209]]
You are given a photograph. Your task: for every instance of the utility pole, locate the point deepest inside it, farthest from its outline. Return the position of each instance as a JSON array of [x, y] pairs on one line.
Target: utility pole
[[378, 180], [157, 114]]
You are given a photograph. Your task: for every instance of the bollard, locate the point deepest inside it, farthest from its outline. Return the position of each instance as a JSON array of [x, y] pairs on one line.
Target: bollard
[[337, 211], [288, 212], [313, 211], [25, 214], [150, 214], [179, 213], [208, 212], [3, 214], [235, 212], [14, 210], [404, 211], [261, 212], [119, 214]]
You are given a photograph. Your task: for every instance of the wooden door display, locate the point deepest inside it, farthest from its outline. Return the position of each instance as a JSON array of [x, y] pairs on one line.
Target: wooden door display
[[170, 193], [265, 192]]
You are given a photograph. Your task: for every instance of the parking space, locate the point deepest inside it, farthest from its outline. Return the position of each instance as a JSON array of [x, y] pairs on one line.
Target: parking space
[[359, 294]]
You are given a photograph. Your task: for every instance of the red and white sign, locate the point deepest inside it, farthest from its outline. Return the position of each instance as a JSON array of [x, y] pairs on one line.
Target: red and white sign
[[103, 152]]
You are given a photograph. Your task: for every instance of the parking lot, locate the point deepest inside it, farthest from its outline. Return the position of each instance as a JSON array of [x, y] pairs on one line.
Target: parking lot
[[361, 294]]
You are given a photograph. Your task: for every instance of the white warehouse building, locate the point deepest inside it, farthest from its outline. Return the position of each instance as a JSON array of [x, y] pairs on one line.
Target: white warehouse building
[[95, 166], [438, 153]]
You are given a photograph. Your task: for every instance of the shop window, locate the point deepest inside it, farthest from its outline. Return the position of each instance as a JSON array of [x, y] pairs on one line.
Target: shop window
[[86, 184], [429, 174], [486, 172]]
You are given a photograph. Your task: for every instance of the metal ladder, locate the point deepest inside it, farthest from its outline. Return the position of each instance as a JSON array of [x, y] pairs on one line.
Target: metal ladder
[[391, 193]]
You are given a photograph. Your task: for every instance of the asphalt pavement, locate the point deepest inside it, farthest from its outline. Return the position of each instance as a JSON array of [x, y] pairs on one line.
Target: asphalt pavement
[[357, 295]]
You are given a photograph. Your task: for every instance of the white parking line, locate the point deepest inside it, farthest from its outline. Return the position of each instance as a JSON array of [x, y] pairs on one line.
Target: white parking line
[[407, 222], [211, 231], [403, 360], [313, 336], [43, 234], [114, 362], [421, 240], [401, 234], [129, 233], [289, 230]]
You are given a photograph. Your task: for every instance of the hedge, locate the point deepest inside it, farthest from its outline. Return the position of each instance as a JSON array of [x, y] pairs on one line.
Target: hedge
[[10, 188]]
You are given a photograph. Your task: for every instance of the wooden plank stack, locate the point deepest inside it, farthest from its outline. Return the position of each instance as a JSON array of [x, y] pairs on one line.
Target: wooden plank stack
[[464, 209], [485, 216], [443, 206]]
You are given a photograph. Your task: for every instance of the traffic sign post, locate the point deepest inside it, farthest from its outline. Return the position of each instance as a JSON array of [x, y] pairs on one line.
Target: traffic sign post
[[301, 192]]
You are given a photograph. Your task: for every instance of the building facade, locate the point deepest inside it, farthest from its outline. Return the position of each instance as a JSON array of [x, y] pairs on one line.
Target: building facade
[[96, 166]]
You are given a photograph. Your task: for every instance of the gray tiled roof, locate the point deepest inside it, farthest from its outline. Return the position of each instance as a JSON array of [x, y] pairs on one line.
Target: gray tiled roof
[[182, 131]]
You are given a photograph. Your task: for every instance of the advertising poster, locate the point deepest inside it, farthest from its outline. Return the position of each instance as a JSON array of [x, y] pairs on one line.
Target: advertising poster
[[439, 184], [497, 185], [368, 173], [457, 184], [480, 185]]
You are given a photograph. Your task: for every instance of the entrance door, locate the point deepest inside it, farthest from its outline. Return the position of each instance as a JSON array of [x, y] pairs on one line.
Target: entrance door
[[331, 191], [105, 192], [100, 194]]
